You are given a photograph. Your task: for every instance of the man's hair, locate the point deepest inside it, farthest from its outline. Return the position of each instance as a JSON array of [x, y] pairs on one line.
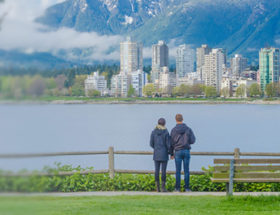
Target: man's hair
[[179, 118], [161, 121]]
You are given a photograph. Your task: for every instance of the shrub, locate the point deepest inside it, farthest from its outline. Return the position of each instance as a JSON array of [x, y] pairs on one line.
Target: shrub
[[121, 182]]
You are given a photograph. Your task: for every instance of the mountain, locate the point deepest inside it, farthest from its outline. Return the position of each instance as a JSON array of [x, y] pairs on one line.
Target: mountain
[[34, 60], [104, 16], [242, 26]]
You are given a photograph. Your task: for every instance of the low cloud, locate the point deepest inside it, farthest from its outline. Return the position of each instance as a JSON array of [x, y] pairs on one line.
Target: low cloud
[[20, 32]]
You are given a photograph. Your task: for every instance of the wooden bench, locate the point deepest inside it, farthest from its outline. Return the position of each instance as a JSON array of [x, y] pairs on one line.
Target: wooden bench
[[245, 170]]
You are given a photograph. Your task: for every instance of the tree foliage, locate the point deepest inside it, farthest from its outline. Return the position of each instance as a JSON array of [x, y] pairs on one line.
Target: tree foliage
[[255, 90], [241, 91], [210, 92], [187, 90], [272, 90], [225, 92], [94, 93], [131, 91], [149, 90]]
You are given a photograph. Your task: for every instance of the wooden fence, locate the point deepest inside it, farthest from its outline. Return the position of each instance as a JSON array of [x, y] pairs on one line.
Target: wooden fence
[[111, 160]]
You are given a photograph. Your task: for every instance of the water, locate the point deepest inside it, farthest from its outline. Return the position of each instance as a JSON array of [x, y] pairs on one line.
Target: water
[[61, 128]]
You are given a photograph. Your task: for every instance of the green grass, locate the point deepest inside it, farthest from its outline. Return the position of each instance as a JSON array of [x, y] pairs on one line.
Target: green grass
[[139, 205], [110, 99]]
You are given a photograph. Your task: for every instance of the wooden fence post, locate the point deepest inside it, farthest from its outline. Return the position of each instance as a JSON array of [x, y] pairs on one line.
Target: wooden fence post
[[111, 162], [236, 153], [231, 178]]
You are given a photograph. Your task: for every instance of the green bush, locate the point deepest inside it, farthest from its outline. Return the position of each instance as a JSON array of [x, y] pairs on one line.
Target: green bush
[[121, 182]]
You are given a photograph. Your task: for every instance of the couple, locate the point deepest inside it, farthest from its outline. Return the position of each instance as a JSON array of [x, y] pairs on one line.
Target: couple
[[178, 145]]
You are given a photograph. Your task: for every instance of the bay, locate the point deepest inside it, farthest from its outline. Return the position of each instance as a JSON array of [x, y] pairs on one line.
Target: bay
[[66, 128]]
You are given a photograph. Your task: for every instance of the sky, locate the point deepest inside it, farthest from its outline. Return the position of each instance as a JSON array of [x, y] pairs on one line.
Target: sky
[[20, 32]]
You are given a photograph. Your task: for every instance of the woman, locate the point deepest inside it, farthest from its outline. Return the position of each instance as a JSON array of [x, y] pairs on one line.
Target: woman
[[160, 142]]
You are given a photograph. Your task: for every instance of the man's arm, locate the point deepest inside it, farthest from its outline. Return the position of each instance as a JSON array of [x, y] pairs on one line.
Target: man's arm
[[172, 143], [192, 137]]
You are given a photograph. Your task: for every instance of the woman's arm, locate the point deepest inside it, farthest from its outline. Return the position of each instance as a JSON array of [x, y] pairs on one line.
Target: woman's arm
[[152, 143]]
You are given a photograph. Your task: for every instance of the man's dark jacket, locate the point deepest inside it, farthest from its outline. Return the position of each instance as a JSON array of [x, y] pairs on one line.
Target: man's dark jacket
[[160, 142], [182, 137]]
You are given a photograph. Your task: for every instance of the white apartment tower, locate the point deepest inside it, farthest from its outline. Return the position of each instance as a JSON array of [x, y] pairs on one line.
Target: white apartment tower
[[160, 58], [96, 82], [213, 68], [131, 54], [167, 80], [185, 61], [200, 58], [120, 84]]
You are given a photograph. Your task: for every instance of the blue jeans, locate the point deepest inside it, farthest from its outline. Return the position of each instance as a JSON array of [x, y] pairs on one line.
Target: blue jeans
[[182, 156]]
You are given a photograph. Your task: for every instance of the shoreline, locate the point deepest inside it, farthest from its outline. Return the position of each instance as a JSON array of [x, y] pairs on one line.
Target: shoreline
[[137, 102]]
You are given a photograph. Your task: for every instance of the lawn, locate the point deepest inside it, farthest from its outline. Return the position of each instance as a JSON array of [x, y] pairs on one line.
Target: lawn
[[139, 205]]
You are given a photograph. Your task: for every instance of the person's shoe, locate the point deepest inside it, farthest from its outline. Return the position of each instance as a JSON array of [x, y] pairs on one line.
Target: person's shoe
[[188, 190], [163, 189], [177, 190], [157, 186]]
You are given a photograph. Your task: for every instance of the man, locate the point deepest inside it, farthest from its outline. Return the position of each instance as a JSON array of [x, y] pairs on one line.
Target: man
[[182, 138], [160, 142]]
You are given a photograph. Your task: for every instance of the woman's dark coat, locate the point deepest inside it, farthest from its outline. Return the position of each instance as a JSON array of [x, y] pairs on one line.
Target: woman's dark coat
[[160, 142]]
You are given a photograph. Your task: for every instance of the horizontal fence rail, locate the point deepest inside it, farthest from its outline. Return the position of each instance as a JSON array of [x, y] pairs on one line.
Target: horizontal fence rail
[[111, 161], [56, 154]]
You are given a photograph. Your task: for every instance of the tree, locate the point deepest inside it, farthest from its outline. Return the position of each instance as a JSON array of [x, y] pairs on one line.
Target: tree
[[272, 90], [182, 90], [149, 90], [225, 92], [196, 90], [210, 92], [37, 87], [70, 79], [255, 90], [241, 91], [94, 93], [78, 89], [60, 80], [131, 91]]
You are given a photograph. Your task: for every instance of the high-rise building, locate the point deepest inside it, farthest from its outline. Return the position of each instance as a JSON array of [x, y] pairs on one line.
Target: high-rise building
[[96, 82], [269, 60], [131, 56], [238, 65], [120, 85], [167, 80], [213, 68], [138, 80], [185, 61], [160, 58], [200, 58]]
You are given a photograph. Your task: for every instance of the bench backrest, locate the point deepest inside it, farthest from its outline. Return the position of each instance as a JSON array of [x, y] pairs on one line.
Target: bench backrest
[[246, 170]]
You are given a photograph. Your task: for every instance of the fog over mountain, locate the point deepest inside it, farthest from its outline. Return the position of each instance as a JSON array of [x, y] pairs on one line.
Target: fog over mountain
[[240, 26]]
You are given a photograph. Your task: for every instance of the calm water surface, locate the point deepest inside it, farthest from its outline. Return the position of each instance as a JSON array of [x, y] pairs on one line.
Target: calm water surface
[[60, 128]]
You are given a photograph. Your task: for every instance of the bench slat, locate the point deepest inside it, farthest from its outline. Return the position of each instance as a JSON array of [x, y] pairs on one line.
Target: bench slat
[[260, 180], [248, 175], [248, 161], [247, 168]]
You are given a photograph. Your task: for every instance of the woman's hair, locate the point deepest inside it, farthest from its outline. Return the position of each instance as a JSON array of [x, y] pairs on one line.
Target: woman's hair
[[179, 118], [161, 121]]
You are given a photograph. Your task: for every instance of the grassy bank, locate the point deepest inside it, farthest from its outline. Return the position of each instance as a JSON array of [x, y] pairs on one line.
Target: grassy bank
[[140, 205], [75, 99]]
